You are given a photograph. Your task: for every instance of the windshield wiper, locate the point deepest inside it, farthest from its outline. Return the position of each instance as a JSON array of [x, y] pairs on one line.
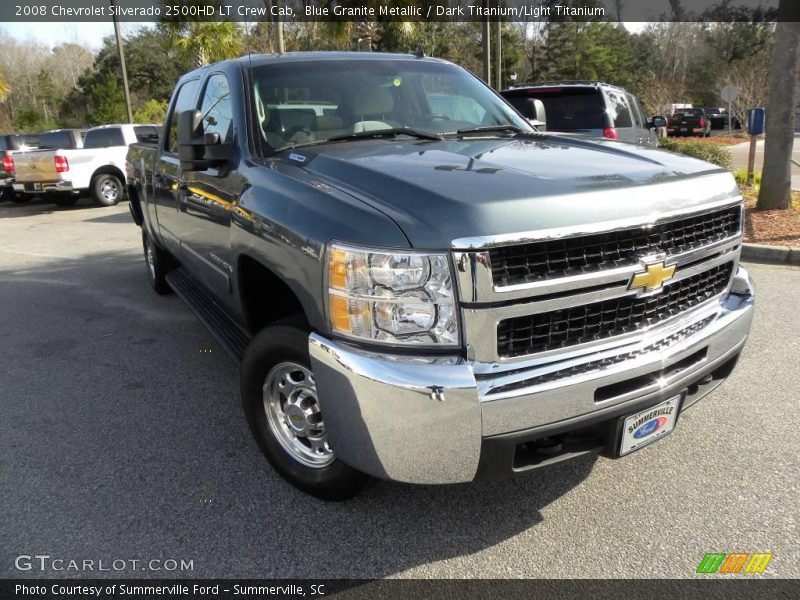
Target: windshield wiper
[[362, 135], [380, 133], [491, 129]]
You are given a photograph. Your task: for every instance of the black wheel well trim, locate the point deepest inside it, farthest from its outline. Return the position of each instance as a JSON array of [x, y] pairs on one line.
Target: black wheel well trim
[[266, 297]]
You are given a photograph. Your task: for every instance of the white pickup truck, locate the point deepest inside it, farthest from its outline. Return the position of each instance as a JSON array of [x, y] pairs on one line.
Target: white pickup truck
[[98, 167]]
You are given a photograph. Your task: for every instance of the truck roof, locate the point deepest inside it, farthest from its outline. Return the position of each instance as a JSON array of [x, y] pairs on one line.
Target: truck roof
[[258, 60]]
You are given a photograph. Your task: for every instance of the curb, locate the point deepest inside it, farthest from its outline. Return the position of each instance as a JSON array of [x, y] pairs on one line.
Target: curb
[[771, 254]]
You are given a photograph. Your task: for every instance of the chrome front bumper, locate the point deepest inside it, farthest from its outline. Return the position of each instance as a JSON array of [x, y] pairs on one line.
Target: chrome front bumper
[[429, 419]]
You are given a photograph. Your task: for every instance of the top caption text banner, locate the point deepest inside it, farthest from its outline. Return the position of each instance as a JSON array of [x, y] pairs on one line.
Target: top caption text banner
[[400, 10]]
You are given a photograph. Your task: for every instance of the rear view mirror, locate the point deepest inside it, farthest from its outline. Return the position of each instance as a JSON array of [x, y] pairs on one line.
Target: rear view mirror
[[658, 121], [533, 110]]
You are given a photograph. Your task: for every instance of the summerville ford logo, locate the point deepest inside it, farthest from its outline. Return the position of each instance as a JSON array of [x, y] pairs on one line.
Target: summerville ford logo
[[650, 422]]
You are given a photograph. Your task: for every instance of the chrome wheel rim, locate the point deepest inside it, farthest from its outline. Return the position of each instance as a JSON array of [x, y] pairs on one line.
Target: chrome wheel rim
[[294, 416], [109, 190]]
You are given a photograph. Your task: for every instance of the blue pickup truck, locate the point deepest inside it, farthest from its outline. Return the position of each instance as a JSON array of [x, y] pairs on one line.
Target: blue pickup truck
[[421, 287]]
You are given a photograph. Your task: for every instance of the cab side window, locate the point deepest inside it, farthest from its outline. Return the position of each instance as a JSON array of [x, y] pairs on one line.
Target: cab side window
[[185, 101], [217, 108]]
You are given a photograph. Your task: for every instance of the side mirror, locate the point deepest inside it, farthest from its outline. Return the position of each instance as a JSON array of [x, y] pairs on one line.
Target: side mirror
[[658, 121], [198, 150], [190, 141], [533, 110]]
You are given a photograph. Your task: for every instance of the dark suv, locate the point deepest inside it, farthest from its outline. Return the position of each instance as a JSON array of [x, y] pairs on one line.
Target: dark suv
[[590, 108]]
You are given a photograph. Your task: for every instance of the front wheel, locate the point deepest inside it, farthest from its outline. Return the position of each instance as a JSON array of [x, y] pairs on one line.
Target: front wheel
[[280, 401], [107, 189]]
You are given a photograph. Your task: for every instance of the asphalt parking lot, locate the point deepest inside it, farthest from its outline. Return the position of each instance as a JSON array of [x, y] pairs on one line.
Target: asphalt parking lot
[[122, 437]]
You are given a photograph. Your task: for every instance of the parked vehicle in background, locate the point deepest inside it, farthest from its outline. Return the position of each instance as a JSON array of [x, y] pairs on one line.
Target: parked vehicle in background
[[590, 108], [94, 163], [719, 119], [10, 144], [420, 286], [689, 121]]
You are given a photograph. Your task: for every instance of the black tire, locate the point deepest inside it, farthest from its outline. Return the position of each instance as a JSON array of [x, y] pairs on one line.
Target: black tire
[[157, 263], [107, 189], [63, 199], [20, 198], [270, 347]]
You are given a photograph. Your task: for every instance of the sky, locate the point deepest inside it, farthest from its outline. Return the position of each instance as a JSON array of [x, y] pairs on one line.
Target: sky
[[53, 34], [92, 34]]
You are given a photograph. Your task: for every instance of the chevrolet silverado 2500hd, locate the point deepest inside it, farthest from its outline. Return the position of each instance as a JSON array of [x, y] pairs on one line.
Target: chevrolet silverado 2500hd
[[432, 297]]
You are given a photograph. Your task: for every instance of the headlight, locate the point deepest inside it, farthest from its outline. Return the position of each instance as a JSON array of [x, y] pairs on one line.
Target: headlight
[[399, 297]]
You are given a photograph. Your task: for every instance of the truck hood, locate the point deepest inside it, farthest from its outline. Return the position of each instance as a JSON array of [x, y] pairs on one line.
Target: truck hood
[[442, 191]]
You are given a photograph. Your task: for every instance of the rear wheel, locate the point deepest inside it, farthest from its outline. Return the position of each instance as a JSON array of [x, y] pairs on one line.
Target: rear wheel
[[280, 401], [107, 189], [158, 263]]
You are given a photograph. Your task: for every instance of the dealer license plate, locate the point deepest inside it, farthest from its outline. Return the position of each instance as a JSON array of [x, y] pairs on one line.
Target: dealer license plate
[[649, 425]]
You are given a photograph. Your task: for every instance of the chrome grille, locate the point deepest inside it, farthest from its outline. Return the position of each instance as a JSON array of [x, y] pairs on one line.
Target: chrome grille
[[558, 329], [604, 363], [552, 259]]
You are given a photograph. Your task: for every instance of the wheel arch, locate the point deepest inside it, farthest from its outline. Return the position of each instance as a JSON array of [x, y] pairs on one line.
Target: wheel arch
[[109, 170], [266, 297]]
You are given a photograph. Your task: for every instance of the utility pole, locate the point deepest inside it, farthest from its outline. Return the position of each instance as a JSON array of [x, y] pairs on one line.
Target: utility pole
[[121, 53], [487, 50], [498, 55]]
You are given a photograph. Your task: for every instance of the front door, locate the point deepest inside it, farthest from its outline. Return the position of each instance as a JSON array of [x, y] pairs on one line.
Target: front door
[[209, 196]]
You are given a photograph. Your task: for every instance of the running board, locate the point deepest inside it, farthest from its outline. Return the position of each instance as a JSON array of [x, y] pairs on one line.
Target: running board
[[230, 336]]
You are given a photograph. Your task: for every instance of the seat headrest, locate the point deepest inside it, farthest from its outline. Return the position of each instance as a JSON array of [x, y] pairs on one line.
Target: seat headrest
[[374, 102], [328, 122]]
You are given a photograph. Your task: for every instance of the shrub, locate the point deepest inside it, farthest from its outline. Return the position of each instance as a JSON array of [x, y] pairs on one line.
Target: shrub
[[713, 153], [741, 177]]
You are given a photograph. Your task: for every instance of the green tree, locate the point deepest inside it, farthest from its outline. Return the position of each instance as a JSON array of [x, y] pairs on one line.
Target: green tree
[[205, 42], [32, 120], [152, 111], [47, 95], [107, 102]]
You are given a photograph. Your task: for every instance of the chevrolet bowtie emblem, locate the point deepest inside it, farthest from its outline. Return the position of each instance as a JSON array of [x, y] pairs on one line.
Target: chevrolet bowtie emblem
[[653, 277]]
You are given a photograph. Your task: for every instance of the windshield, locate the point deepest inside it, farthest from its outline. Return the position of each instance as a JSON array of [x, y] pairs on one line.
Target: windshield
[[314, 101]]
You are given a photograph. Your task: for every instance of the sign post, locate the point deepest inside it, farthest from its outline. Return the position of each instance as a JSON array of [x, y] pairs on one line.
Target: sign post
[[755, 127], [729, 94]]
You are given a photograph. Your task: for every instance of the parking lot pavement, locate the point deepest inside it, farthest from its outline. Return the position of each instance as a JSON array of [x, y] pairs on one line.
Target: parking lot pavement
[[121, 437]]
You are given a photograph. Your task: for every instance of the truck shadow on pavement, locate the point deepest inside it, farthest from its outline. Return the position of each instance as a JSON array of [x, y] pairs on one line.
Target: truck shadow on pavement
[[39, 205], [124, 421]]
